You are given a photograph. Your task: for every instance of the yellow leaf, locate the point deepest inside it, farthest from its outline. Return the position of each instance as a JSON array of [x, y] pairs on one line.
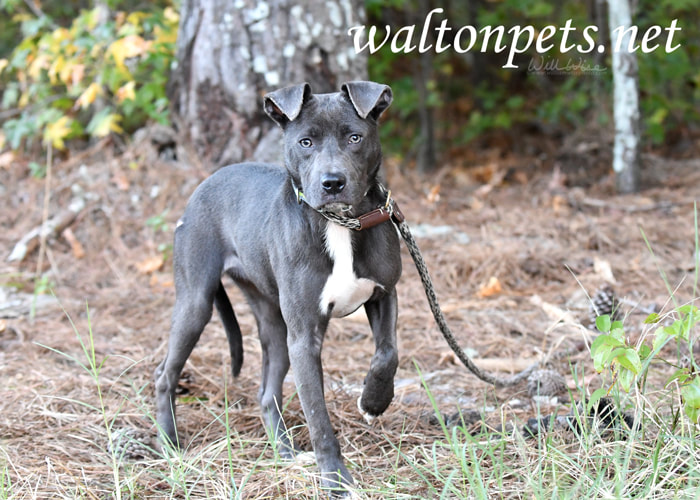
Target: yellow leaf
[[135, 18], [150, 264], [171, 15], [57, 36], [109, 123], [493, 287], [77, 74], [129, 46], [89, 95], [55, 69], [126, 91], [92, 18], [3, 64], [41, 62], [96, 50], [23, 99], [66, 72], [128, 29], [119, 18], [57, 131], [165, 35]]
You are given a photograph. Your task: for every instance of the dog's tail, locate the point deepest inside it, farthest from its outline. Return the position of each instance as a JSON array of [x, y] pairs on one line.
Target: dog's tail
[[233, 331]]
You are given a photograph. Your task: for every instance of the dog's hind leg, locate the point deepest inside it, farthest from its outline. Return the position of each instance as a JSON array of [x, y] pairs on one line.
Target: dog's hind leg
[[191, 313], [233, 331], [272, 331]]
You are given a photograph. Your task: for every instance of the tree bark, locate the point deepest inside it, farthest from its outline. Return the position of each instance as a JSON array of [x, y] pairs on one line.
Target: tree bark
[[425, 159], [626, 100], [230, 53]]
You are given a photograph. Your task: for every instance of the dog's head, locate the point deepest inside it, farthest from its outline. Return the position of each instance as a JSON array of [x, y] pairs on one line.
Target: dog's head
[[332, 149]]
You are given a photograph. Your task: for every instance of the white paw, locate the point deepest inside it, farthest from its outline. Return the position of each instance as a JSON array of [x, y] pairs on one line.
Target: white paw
[[368, 418], [305, 458]]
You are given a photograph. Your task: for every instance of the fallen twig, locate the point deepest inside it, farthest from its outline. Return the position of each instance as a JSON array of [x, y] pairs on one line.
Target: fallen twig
[[53, 227], [595, 203]]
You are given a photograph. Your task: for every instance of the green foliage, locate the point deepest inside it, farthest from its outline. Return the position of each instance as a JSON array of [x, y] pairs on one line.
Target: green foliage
[[612, 352], [104, 73], [159, 225], [670, 83], [472, 95]]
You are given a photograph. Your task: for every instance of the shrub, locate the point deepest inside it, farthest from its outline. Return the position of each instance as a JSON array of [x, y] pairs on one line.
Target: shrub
[[106, 72]]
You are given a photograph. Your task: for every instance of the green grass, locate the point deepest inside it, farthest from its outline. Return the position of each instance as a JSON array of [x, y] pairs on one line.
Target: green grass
[[658, 458]]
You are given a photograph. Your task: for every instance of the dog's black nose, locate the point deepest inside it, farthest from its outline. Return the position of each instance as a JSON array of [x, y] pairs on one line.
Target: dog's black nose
[[333, 183]]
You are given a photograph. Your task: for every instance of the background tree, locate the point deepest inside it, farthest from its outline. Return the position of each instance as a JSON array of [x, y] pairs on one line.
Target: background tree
[[625, 100], [230, 53]]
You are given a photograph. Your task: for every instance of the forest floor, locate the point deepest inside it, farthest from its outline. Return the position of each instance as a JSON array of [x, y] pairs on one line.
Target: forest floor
[[515, 246]]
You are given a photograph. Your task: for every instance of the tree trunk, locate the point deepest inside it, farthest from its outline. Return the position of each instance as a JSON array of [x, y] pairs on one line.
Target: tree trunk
[[626, 99], [230, 53], [425, 159]]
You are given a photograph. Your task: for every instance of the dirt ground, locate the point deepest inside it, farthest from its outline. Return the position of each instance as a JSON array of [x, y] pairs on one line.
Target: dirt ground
[[513, 243]]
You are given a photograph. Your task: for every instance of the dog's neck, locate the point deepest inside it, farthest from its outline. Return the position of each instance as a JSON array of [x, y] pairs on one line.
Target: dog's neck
[[388, 209]]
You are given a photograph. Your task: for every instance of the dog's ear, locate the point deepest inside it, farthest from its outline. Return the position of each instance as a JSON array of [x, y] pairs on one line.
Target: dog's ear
[[368, 98], [284, 105]]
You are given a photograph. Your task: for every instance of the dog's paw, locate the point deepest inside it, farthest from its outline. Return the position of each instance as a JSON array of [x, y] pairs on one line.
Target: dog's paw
[[304, 458], [369, 418]]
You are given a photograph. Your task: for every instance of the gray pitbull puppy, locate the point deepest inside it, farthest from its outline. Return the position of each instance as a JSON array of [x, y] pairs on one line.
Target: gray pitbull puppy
[[296, 269]]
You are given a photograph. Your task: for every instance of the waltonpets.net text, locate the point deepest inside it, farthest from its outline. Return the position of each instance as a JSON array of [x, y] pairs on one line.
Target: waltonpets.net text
[[520, 40]]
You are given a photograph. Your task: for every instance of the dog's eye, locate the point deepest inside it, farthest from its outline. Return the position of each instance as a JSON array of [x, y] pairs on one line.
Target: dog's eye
[[354, 139], [305, 142]]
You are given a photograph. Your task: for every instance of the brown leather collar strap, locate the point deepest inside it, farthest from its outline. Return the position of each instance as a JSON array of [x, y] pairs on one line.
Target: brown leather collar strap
[[390, 210], [382, 214]]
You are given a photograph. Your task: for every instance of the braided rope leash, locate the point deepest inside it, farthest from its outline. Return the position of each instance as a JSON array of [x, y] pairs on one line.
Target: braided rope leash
[[440, 318], [391, 211]]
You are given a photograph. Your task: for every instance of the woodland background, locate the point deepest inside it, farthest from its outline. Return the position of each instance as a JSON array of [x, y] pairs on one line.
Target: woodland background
[[505, 178]]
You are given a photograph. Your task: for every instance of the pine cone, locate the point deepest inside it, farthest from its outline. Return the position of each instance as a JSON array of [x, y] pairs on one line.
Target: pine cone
[[604, 302], [545, 383], [185, 383], [132, 444]]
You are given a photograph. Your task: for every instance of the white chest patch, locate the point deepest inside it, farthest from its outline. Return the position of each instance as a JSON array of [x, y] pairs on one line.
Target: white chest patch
[[343, 290]]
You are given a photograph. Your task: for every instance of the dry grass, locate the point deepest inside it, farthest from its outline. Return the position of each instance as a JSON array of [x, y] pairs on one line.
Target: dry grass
[[55, 433]]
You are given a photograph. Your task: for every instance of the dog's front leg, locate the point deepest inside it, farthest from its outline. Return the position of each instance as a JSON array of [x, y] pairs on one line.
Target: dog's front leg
[[379, 383], [305, 339]]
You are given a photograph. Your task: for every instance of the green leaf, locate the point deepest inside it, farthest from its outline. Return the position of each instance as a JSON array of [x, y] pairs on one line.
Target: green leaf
[[644, 351], [595, 397], [661, 336], [630, 360], [688, 309], [681, 375], [691, 399], [103, 123], [188, 400], [658, 116], [626, 379], [598, 342], [599, 361], [617, 333], [606, 340], [616, 353], [673, 329], [652, 319], [602, 323]]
